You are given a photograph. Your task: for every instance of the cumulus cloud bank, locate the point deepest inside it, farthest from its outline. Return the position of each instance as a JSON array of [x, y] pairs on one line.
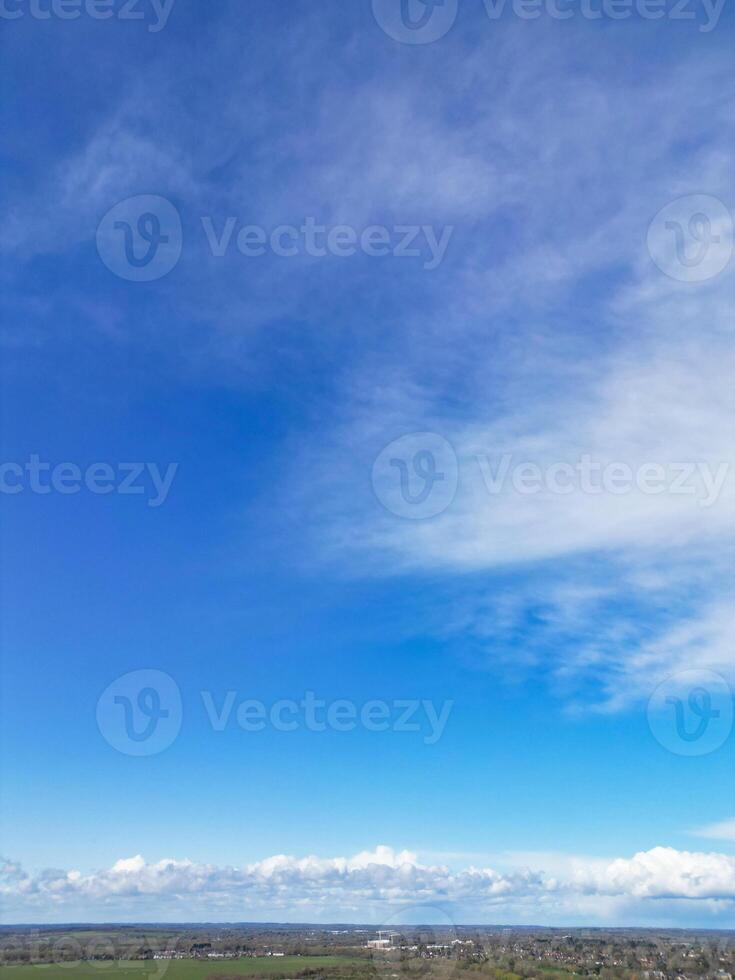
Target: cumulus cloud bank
[[371, 883]]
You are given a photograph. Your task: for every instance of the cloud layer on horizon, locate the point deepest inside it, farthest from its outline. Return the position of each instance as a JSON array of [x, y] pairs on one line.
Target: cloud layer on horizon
[[369, 885]]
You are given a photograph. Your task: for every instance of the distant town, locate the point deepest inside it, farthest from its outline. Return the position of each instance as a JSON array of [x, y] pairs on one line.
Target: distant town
[[287, 952]]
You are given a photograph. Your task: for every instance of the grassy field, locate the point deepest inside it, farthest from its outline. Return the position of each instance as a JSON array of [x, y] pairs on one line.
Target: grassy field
[[280, 966]]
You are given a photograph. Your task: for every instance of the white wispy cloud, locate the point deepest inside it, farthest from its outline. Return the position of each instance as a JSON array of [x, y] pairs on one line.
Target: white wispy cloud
[[511, 363], [722, 830], [547, 333]]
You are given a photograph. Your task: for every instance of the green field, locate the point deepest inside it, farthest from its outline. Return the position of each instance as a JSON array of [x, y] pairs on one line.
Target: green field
[[277, 966]]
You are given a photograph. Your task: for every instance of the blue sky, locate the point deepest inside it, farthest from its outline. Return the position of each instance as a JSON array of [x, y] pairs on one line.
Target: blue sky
[[275, 563]]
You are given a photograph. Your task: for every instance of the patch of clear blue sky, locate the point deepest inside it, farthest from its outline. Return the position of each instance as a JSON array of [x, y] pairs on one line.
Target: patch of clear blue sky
[[224, 586]]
